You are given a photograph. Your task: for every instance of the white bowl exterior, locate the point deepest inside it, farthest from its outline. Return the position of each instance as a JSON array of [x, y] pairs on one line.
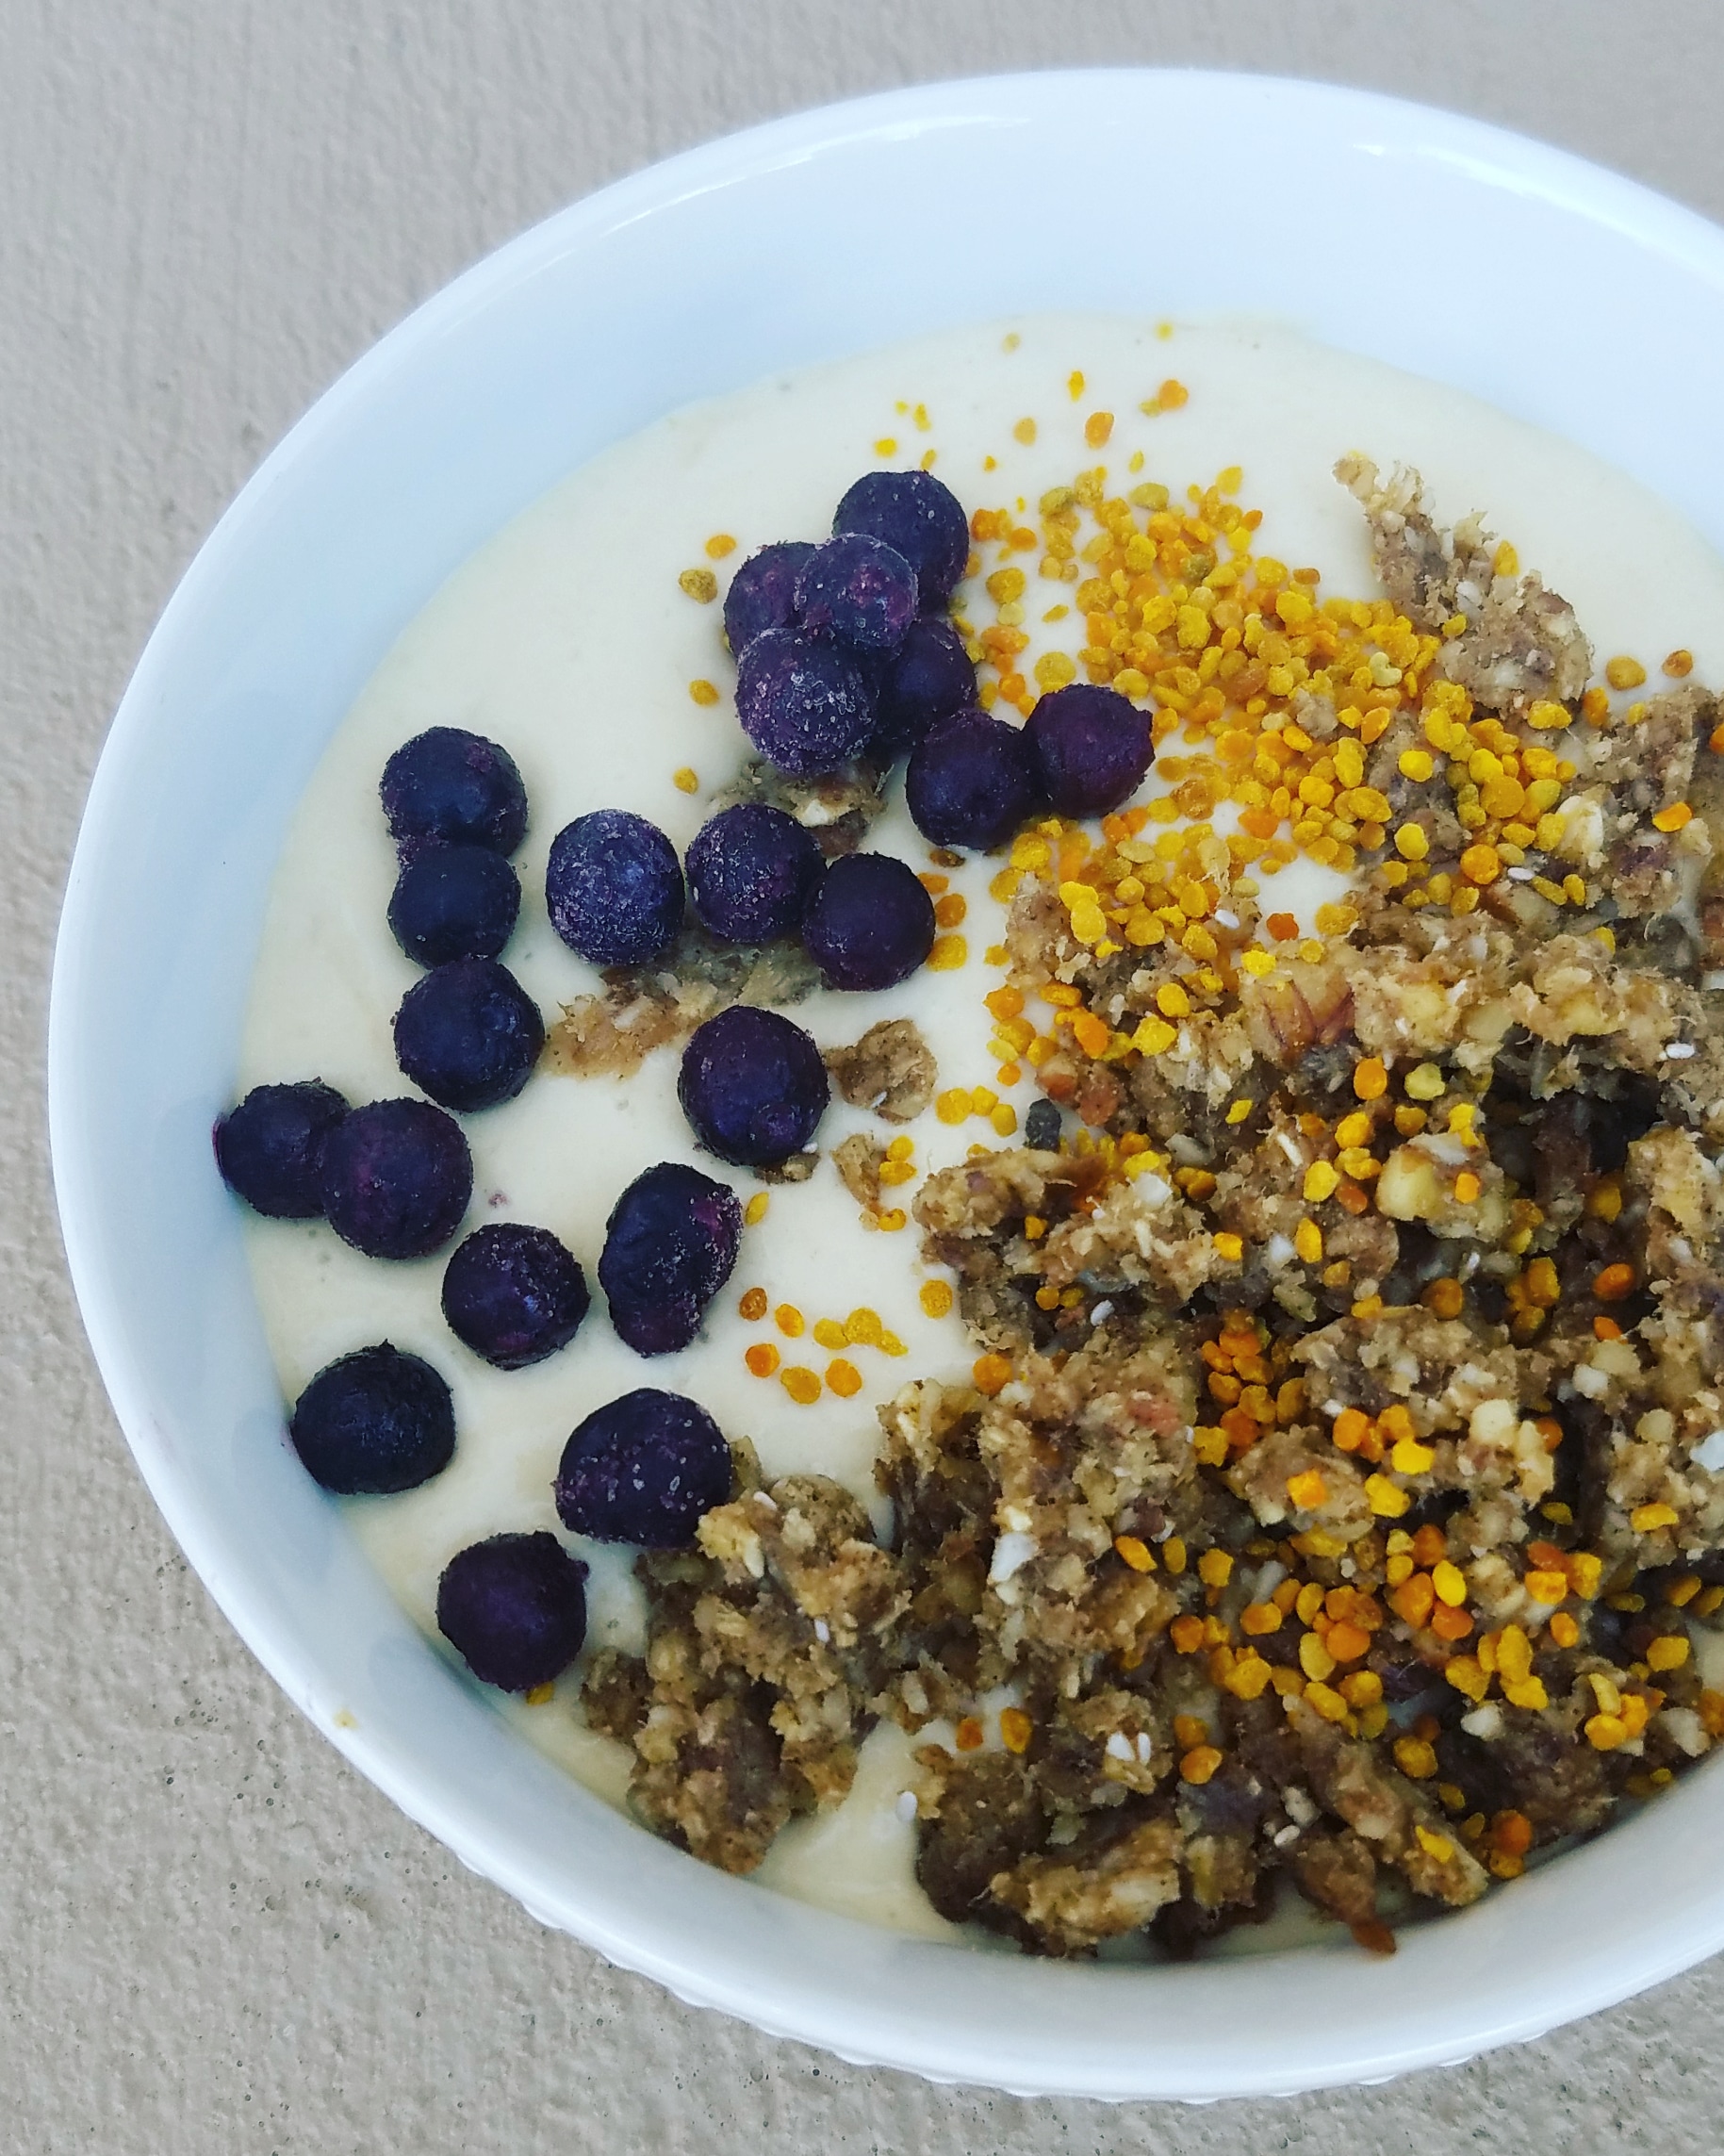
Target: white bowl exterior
[[1562, 294]]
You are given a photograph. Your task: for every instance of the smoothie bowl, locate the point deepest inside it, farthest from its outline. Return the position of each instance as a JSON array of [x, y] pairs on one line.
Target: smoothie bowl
[[1124, 1025]]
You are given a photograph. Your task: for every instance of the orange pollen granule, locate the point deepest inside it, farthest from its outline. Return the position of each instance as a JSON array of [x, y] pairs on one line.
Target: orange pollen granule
[[991, 1374], [762, 1358]]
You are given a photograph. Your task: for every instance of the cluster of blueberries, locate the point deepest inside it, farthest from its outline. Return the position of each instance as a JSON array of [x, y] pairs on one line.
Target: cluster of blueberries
[[841, 654], [394, 1178]]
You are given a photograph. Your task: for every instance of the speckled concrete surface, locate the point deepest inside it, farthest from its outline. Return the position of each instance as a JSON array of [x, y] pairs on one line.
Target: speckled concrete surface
[[213, 1938]]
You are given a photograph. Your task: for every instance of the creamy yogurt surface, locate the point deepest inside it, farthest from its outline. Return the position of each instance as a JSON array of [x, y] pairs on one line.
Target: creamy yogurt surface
[[569, 639]]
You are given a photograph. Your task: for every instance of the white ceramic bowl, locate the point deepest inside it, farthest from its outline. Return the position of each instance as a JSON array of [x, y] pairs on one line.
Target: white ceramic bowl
[[1561, 293]]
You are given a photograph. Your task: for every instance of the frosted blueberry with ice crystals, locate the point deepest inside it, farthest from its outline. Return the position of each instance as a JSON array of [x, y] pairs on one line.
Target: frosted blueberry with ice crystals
[[514, 1608], [763, 593], [270, 1149], [397, 1176], [468, 1034], [373, 1423], [454, 787], [643, 1470], [928, 679], [1092, 747], [751, 872], [918, 514], [514, 1294], [871, 923], [454, 901], [804, 701], [614, 887], [971, 781], [753, 1086], [670, 1246], [859, 590]]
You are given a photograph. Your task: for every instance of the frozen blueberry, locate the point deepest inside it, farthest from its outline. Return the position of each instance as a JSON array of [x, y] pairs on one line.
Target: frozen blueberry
[[804, 701], [270, 1149], [455, 787], [753, 1086], [374, 1422], [859, 590], [514, 1608], [751, 872], [763, 593], [514, 1294], [1092, 747], [927, 680], [923, 518], [468, 1034], [670, 1245], [614, 887], [643, 1469], [971, 781], [870, 924], [454, 901], [1041, 1127], [397, 1176]]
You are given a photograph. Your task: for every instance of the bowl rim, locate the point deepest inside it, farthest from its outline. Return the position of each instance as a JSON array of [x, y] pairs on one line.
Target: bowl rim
[[1650, 221]]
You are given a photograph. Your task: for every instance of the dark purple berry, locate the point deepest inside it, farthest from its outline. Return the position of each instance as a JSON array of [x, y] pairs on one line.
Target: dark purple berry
[[763, 593], [468, 1034], [751, 871], [454, 901], [859, 590], [455, 787], [753, 1086], [928, 679], [1041, 1127], [804, 701], [514, 1294], [614, 887], [514, 1608], [374, 1422], [870, 924], [919, 516], [670, 1245], [270, 1149], [971, 781], [396, 1176], [643, 1469], [1092, 747]]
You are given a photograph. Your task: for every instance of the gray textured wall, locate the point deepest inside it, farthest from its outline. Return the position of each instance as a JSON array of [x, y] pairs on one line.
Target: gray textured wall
[[212, 1936]]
